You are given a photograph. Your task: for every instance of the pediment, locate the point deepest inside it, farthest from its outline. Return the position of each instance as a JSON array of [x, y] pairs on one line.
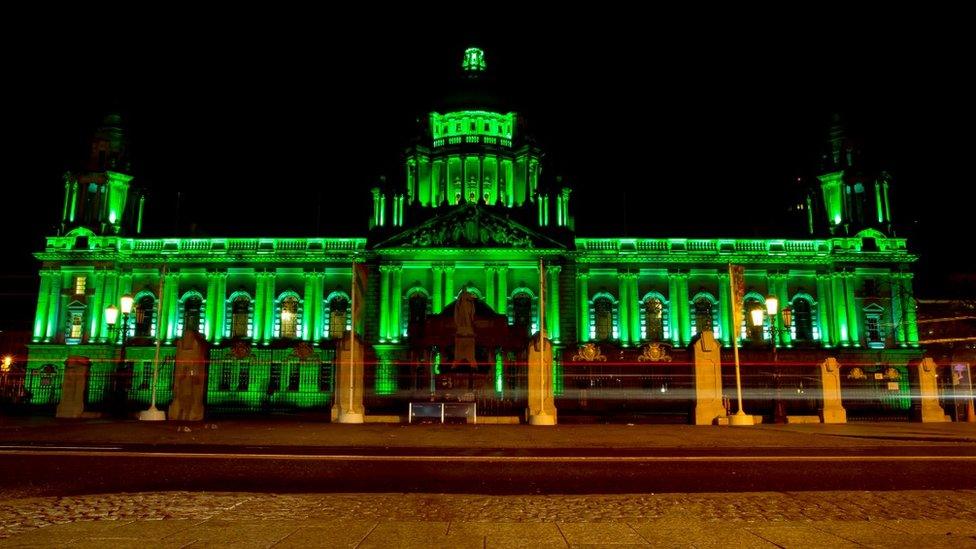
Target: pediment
[[470, 226]]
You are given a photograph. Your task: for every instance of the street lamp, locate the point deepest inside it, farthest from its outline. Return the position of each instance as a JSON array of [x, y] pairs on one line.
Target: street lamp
[[772, 309], [111, 318]]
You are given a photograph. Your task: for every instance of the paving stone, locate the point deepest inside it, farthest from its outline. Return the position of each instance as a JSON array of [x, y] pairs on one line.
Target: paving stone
[[240, 533], [600, 533], [800, 536], [409, 534], [323, 533], [510, 534]]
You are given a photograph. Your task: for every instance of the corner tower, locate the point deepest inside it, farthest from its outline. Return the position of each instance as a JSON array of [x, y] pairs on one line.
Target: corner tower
[[100, 197]]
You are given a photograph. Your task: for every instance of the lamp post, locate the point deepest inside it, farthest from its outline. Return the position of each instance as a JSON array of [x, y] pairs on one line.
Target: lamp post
[[772, 309], [111, 318]]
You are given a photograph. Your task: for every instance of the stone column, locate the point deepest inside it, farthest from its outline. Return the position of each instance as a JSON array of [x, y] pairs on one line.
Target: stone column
[[674, 303], [541, 400], [396, 303], [448, 284], [683, 308], [582, 306], [308, 322], [220, 314], [708, 380], [839, 307], [725, 308], [778, 284], [171, 302], [259, 288], [897, 312], [502, 290], [825, 311], [213, 303], [53, 306], [552, 301], [853, 333], [490, 272], [124, 287], [385, 303], [43, 297], [928, 409], [348, 406], [623, 308], [269, 306], [438, 297], [111, 289], [318, 328], [635, 309], [832, 410], [96, 307], [908, 306]]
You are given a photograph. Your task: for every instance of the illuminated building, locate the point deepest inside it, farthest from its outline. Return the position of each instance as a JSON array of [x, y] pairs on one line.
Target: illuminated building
[[474, 210]]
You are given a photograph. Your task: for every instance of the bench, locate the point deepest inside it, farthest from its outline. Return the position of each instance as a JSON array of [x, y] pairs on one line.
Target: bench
[[443, 410]]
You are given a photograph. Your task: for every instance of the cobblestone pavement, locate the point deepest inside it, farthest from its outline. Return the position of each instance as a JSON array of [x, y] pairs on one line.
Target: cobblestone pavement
[[902, 518]]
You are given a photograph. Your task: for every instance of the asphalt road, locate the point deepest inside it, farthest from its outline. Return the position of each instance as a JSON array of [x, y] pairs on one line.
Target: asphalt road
[[67, 470]]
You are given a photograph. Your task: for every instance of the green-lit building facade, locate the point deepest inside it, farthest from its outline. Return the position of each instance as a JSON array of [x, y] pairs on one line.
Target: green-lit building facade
[[474, 210]]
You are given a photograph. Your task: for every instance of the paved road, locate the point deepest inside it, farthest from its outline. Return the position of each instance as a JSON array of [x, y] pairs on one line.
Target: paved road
[[62, 470]]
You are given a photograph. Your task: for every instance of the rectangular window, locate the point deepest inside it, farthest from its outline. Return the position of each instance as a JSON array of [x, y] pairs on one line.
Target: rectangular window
[[76, 325], [80, 282], [294, 377]]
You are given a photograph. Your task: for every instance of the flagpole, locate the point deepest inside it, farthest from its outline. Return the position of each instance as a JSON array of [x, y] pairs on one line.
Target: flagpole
[[542, 332], [740, 417], [153, 414]]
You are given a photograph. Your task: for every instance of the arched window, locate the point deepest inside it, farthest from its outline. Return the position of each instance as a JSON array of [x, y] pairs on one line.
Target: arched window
[[145, 316], [192, 311], [522, 311], [654, 318], [702, 308], [288, 317], [338, 306], [240, 316], [802, 319], [603, 318]]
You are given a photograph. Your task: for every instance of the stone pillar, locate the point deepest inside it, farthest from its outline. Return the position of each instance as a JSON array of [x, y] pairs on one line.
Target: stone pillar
[[318, 328], [43, 297], [259, 286], [541, 400], [635, 310], [385, 303], [908, 306], [853, 333], [779, 289], [111, 289], [73, 387], [220, 313], [269, 307], [308, 322], [708, 380], [683, 308], [582, 306], [839, 307], [124, 287], [897, 311], [674, 299], [832, 410], [928, 409], [552, 301], [348, 406], [725, 308], [623, 308], [213, 303], [53, 306], [189, 378], [96, 307], [502, 291], [438, 297], [396, 303], [825, 311], [448, 284], [490, 272]]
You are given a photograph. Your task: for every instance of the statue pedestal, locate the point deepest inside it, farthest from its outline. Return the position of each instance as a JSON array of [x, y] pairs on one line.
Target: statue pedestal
[[542, 406], [348, 407]]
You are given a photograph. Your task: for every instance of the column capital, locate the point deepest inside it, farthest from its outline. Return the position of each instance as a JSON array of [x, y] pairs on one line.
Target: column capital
[[437, 267], [582, 275], [554, 269], [449, 268], [776, 275], [385, 268]]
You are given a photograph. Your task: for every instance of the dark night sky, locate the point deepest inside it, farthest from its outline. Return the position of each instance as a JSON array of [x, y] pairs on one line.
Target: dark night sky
[[664, 128]]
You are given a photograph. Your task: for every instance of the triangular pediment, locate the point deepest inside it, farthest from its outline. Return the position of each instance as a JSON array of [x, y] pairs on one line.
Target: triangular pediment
[[470, 226]]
